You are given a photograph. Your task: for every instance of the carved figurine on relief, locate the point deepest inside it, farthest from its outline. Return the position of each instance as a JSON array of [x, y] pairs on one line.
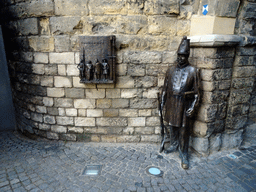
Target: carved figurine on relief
[[97, 70], [105, 69], [81, 67], [88, 70], [180, 97]]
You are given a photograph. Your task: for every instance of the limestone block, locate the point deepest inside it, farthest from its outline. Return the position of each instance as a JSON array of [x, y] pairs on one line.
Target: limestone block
[[40, 109], [74, 93], [63, 102], [61, 112], [58, 129], [28, 26], [71, 8], [237, 122], [105, 86], [71, 112], [62, 58], [44, 127], [207, 113], [120, 103], [244, 61], [224, 85], [44, 27], [65, 25], [129, 93], [143, 103], [62, 43], [245, 51], [135, 24], [128, 130], [47, 81], [183, 27], [238, 96], [150, 138], [162, 25], [208, 86], [55, 92], [121, 69], [152, 121], [38, 69], [104, 103], [84, 103], [201, 145], [244, 71], [41, 57], [207, 74], [50, 69], [62, 70], [202, 129], [37, 117], [95, 138], [135, 7], [62, 81], [128, 112], [94, 113], [169, 57], [248, 10], [215, 97], [49, 119], [146, 81], [108, 138], [53, 111], [75, 130], [204, 25], [222, 74], [95, 93], [110, 112], [113, 122], [85, 121], [113, 93], [159, 7], [240, 83], [128, 139], [144, 130], [65, 120], [82, 112], [68, 137], [145, 57], [48, 102], [72, 70], [151, 93], [136, 70], [215, 142], [238, 110], [137, 121], [145, 112], [214, 53], [232, 139], [125, 82], [103, 7], [51, 135], [25, 56], [41, 43]]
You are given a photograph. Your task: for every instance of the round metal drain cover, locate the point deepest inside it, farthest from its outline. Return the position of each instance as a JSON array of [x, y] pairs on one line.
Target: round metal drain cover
[[154, 171]]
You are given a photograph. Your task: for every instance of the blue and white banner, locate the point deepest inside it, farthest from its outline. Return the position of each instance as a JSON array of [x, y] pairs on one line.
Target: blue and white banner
[[205, 9]]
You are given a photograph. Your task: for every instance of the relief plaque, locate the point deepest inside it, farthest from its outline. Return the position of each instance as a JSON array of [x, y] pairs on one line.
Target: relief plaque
[[97, 59]]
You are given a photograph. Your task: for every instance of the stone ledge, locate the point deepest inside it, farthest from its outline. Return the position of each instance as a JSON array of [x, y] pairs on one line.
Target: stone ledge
[[214, 40]]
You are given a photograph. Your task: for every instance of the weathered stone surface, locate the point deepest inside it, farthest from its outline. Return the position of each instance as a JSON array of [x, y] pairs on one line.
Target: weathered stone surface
[[41, 57], [235, 123], [145, 112], [44, 27], [128, 139], [121, 69], [61, 112], [63, 102], [71, 8], [120, 103], [49, 119], [125, 82], [95, 93], [74, 93], [84, 103], [68, 137], [62, 58], [38, 69], [128, 112], [110, 113], [137, 121], [58, 129], [238, 96], [75, 130], [215, 142], [50, 69], [202, 129], [150, 138], [162, 25], [28, 26], [153, 121], [240, 83], [207, 112], [71, 112], [183, 27], [65, 120], [143, 103], [76, 83], [136, 70], [144, 130], [113, 122], [94, 113], [53, 111], [65, 25], [62, 43], [151, 93], [47, 81], [231, 140], [244, 71], [104, 103], [113, 93], [44, 127], [244, 61], [250, 131], [62, 70], [215, 97], [48, 101], [142, 57], [201, 145], [214, 53], [82, 112], [157, 7], [41, 43], [103, 7], [249, 10], [51, 135], [84, 121], [40, 109], [108, 138], [55, 92], [37, 117], [62, 81], [146, 81]]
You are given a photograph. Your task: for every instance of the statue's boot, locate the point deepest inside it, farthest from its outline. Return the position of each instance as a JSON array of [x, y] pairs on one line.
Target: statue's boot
[[184, 161], [172, 148]]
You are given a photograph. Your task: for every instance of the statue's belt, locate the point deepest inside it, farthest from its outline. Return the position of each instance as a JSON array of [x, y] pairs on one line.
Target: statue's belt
[[183, 94]]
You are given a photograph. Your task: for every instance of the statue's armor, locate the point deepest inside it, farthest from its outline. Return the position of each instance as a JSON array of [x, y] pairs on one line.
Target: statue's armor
[[180, 82], [88, 70]]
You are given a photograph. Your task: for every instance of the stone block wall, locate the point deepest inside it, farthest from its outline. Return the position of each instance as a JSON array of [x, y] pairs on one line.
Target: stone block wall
[[43, 53]]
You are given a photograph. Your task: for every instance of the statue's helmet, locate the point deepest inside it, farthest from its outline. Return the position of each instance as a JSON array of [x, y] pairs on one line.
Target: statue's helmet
[[184, 48]]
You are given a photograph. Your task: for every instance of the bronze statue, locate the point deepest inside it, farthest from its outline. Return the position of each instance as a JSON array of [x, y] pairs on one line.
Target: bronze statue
[[180, 97], [97, 70], [105, 69], [80, 66], [88, 70]]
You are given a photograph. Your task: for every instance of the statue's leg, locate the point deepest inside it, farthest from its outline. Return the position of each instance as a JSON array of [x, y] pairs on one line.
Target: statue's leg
[[183, 146], [174, 134]]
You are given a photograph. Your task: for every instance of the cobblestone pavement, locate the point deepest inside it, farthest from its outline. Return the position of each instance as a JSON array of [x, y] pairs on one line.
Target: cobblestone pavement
[[28, 165]]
